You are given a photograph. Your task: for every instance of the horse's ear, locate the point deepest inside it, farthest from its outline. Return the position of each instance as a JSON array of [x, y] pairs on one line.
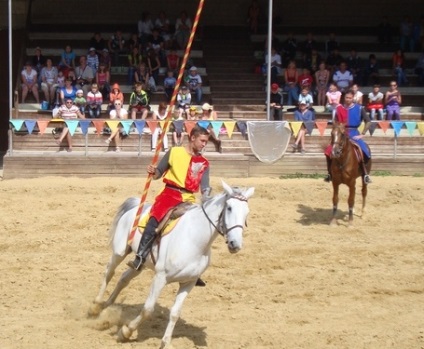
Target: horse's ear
[[249, 192], [227, 188]]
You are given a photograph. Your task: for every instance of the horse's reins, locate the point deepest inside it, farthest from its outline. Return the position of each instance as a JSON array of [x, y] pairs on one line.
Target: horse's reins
[[221, 220]]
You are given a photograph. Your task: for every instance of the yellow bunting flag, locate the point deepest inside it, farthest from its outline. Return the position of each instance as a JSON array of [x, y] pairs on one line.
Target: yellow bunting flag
[[152, 125], [229, 126], [361, 127], [113, 124], [420, 126], [163, 123], [42, 125], [98, 124], [295, 126], [322, 125], [384, 125]]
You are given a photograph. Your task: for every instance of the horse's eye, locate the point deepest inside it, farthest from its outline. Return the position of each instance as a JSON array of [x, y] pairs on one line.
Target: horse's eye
[[229, 209]]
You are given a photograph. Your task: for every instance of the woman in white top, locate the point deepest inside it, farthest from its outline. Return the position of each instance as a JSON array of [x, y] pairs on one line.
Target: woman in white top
[[29, 82], [118, 113], [357, 95], [159, 115]]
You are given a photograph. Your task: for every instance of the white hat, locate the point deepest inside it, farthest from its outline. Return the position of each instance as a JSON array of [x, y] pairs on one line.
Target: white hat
[[92, 49], [207, 106], [193, 68], [79, 91]]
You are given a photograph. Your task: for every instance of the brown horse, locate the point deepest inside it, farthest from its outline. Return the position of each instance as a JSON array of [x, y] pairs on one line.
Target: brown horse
[[346, 167]]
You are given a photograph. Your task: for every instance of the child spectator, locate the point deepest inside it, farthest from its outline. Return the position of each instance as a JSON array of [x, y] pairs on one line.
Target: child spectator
[[306, 97], [117, 113], [302, 114], [322, 77], [116, 94], [375, 103], [194, 83], [80, 101], [29, 82], [393, 102], [169, 84], [184, 101], [103, 81], [357, 95], [276, 103], [93, 60], [94, 101], [173, 61], [333, 99], [159, 115], [139, 102]]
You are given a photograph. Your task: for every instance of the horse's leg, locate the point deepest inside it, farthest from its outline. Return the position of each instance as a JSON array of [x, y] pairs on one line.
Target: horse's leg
[[175, 312], [335, 201], [123, 282], [364, 196], [159, 282], [351, 200]]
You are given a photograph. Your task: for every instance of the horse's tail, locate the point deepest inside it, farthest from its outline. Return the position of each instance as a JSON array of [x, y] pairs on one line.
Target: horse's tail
[[126, 206]]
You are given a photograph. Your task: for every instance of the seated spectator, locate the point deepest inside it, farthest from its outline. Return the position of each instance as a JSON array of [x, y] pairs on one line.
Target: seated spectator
[[343, 78], [156, 43], [118, 112], [333, 61], [134, 42], [72, 76], [302, 114], [182, 30], [375, 103], [371, 71], [322, 77], [173, 61], [49, 81], [94, 102], [333, 99], [209, 114], [142, 75], [183, 101], [276, 64], [80, 101], [67, 60], [93, 60], [276, 103], [38, 63], [29, 82], [331, 44], [139, 102], [312, 61], [419, 69], [194, 83], [84, 74], [145, 27], [153, 63], [305, 80], [289, 49], [308, 45], [116, 46], [98, 43], [159, 115], [60, 85], [115, 94], [393, 101], [68, 111], [103, 81], [163, 24], [178, 132], [306, 97], [169, 84], [398, 60], [354, 65], [134, 60], [69, 91], [357, 95], [291, 78], [105, 59]]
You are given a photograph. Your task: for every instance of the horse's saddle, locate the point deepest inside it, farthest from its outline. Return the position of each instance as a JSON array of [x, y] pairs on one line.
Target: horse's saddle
[[358, 151]]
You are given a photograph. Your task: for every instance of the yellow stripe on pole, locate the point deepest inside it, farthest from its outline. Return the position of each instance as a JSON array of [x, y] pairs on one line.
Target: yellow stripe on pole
[[167, 121]]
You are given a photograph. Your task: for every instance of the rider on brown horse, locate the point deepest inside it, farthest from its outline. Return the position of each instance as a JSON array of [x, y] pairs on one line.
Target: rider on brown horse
[[351, 115]]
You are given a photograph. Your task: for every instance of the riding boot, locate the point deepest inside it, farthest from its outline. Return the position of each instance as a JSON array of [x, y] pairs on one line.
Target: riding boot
[[328, 177], [146, 242], [367, 178]]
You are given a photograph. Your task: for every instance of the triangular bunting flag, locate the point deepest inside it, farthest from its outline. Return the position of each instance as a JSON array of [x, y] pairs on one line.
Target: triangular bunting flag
[[162, 124], [72, 125], [152, 125], [216, 125], [242, 127], [373, 127], [42, 125], [17, 124], [126, 124], [30, 124], [84, 124], [98, 124], [139, 125], [361, 127], [189, 126], [113, 124], [322, 125], [178, 126], [309, 126], [420, 126], [397, 126], [204, 124], [410, 126], [229, 126], [295, 126], [384, 125]]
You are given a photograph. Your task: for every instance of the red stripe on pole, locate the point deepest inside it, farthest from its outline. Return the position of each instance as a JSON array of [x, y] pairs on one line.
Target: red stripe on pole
[[167, 120]]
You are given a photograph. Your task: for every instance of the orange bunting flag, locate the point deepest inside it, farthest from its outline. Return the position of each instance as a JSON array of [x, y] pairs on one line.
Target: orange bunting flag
[[384, 125], [42, 125], [420, 126], [98, 124], [152, 125], [189, 126], [229, 126], [113, 124], [322, 125], [295, 126]]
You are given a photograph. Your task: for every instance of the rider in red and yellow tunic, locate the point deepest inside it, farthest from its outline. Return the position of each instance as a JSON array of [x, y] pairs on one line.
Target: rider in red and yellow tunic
[[184, 170]]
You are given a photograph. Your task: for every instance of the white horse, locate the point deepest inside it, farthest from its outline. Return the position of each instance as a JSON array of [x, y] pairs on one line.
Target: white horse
[[182, 256]]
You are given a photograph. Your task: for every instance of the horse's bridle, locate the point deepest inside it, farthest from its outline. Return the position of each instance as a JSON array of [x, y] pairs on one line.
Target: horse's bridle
[[220, 227], [341, 144]]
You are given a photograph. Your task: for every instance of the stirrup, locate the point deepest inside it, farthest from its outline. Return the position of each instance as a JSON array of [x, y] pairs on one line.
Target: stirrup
[[137, 263], [327, 178], [367, 179]]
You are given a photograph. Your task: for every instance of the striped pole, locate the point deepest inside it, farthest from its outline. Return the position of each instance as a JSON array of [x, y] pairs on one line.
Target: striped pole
[[167, 121]]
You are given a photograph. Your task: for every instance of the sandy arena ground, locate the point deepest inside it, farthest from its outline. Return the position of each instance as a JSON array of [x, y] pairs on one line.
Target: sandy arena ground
[[296, 284]]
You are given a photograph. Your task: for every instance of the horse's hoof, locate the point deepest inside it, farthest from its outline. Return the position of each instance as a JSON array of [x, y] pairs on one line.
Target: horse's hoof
[[94, 310], [124, 334]]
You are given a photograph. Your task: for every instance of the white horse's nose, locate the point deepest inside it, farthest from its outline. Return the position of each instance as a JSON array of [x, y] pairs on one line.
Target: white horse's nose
[[233, 246]]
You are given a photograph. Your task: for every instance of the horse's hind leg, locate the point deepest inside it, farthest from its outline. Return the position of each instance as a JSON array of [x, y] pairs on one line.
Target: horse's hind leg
[[123, 282], [364, 196]]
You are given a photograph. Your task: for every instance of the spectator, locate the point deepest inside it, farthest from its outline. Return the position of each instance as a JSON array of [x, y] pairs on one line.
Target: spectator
[[306, 97], [154, 66], [343, 78], [169, 84], [105, 59], [253, 16], [357, 95], [116, 94], [68, 111], [406, 39], [94, 102], [209, 114], [398, 60], [49, 81], [80, 101], [322, 77], [134, 60], [29, 82], [67, 60], [194, 83], [145, 27], [302, 114], [60, 85], [384, 31], [354, 65], [419, 69], [178, 132], [331, 44], [308, 45], [38, 63], [69, 91], [163, 24], [333, 99], [173, 61], [291, 78], [393, 101], [142, 75], [103, 81], [305, 80], [371, 71], [139, 102], [375, 102], [118, 112], [276, 64], [156, 43], [84, 74], [134, 42], [312, 61], [182, 30], [93, 60], [116, 46], [276, 103], [98, 43], [184, 101], [333, 61], [289, 49], [159, 115]]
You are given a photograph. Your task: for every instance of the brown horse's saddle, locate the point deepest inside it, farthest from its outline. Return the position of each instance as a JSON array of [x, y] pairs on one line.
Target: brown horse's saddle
[[358, 151]]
